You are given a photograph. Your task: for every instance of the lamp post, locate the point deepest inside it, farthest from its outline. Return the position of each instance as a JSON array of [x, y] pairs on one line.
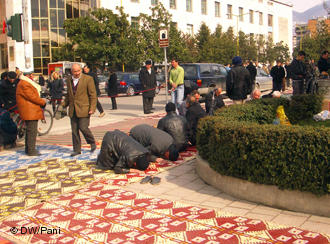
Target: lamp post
[[237, 20], [301, 36]]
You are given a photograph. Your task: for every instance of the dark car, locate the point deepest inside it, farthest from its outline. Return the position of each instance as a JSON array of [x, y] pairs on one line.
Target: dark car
[[128, 83], [205, 75]]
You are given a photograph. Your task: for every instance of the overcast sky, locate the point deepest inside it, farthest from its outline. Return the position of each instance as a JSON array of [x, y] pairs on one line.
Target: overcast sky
[[302, 5]]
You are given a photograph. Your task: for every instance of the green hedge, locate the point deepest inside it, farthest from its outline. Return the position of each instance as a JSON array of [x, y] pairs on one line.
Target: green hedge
[[240, 141]]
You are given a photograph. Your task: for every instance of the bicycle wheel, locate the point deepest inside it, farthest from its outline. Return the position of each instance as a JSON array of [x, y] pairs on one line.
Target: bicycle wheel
[[46, 124]]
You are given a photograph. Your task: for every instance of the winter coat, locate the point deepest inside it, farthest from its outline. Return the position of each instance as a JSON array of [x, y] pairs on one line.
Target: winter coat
[[176, 126], [28, 100], [96, 82], [297, 70], [238, 83], [112, 85], [278, 73], [8, 94], [56, 88], [194, 113], [213, 102], [120, 150], [323, 65], [148, 82], [156, 140], [8, 129], [253, 71], [84, 100]]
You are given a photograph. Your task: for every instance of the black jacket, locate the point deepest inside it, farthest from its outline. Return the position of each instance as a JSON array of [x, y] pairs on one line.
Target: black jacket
[[8, 93], [213, 102], [96, 82], [238, 83], [176, 126], [148, 82], [323, 65], [253, 71], [112, 85], [120, 150], [194, 113], [156, 140], [297, 70], [56, 88], [278, 73], [8, 129]]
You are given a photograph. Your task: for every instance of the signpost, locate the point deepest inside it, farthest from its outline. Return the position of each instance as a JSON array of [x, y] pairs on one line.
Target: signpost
[[164, 42]]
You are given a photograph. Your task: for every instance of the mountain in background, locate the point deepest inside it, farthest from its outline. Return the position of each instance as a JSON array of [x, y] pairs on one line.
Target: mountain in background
[[303, 17]]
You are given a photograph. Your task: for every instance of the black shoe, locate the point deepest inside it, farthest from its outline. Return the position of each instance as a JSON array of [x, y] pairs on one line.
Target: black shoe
[[36, 153], [119, 170], [75, 154], [93, 147]]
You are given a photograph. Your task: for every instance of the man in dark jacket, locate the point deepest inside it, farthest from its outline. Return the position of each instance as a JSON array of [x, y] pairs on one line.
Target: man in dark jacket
[[8, 91], [160, 143], [87, 71], [113, 89], [238, 83], [194, 113], [213, 101], [121, 152], [298, 73], [323, 63], [278, 74], [8, 129], [147, 78], [253, 73], [175, 125]]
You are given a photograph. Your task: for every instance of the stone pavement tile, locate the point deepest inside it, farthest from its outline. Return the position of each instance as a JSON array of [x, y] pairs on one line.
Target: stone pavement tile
[[180, 182], [219, 199], [320, 219], [181, 192], [295, 213], [189, 176], [180, 170], [210, 190], [171, 197], [236, 211], [214, 205], [263, 217], [260, 209], [289, 220], [197, 197], [156, 190], [316, 226], [227, 197], [243, 204]]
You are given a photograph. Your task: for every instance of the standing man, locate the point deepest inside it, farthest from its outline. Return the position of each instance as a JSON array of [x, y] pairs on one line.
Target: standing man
[[88, 71], [253, 73], [81, 99], [8, 91], [238, 83], [29, 106], [177, 83], [298, 73], [278, 74], [147, 78], [323, 63]]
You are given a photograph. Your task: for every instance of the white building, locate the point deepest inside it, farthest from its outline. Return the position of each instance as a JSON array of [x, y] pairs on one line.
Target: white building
[[260, 17]]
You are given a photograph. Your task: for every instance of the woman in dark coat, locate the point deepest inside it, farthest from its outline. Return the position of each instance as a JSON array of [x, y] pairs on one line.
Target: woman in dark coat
[[112, 89], [56, 87]]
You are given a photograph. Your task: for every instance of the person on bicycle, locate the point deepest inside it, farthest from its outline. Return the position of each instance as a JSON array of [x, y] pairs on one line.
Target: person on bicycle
[[8, 91], [29, 106], [56, 87]]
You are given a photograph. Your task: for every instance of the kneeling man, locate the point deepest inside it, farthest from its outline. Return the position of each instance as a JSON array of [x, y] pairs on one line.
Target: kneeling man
[[121, 152]]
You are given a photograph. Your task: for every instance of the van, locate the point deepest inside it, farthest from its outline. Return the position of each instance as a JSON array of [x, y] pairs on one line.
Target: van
[[205, 75]]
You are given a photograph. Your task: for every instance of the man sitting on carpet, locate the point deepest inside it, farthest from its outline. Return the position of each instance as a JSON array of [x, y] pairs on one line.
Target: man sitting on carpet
[[121, 153], [160, 143]]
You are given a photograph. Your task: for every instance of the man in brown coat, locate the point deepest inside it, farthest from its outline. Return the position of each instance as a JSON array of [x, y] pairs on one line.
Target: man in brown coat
[[81, 99], [29, 107]]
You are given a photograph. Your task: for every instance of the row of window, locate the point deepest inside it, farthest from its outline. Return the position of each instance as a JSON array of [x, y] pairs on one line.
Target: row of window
[[217, 10]]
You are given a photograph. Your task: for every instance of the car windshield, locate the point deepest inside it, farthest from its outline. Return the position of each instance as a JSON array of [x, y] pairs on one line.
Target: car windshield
[[120, 77], [190, 71]]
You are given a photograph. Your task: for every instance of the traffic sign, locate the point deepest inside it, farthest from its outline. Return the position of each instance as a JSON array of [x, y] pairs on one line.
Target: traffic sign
[[163, 38]]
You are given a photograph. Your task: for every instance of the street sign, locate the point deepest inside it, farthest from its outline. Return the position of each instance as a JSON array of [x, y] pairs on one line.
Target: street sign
[[163, 38]]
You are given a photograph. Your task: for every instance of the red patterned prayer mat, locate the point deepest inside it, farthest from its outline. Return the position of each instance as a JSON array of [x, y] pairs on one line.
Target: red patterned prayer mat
[[102, 213]]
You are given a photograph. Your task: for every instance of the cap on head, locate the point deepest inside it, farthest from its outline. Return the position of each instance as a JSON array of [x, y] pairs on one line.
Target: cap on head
[[11, 75], [27, 72], [237, 60], [173, 153], [148, 62], [170, 107]]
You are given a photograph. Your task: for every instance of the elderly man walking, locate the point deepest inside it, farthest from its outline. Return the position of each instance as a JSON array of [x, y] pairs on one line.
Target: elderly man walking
[[81, 99], [177, 83]]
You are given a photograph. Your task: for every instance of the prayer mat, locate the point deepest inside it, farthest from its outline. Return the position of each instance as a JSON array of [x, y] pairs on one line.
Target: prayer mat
[[29, 185], [102, 213]]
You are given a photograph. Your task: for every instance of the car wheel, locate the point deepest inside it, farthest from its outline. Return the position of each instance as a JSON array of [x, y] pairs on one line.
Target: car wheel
[[130, 91]]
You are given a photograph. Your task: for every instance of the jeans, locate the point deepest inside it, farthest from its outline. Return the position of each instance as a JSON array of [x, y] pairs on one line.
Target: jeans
[[177, 96]]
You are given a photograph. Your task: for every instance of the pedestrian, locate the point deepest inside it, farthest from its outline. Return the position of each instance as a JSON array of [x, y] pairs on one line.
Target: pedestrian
[[175, 125], [88, 71], [41, 80], [8, 130], [213, 101], [81, 99], [113, 89], [56, 87], [253, 73], [323, 64], [160, 143], [278, 74], [147, 78], [177, 83], [8, 88], [121, 153], [298, 73], [238, 83], [29, 106]]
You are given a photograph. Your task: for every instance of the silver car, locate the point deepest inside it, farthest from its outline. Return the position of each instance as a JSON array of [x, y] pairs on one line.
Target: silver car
[[263, 80]]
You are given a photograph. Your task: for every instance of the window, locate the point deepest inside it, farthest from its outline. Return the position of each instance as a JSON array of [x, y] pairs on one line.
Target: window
[[240, 12], [270, 20], [135, 22], [204, 6], [229, 11], [154, 2], [251, 13], [205, 69], [188, 6], [217, 9], [173, 4], [190, 29], [216, 70], [261, 18]]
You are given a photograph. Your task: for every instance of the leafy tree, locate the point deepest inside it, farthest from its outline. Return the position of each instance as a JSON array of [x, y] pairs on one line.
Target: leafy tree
[[64, 52], [204, 44]]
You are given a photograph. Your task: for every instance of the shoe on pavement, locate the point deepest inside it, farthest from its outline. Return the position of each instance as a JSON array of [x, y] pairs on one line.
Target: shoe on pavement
[[93, 147], [146, 180], [75, 154], [36, 153], [101, 114], [155, 181]]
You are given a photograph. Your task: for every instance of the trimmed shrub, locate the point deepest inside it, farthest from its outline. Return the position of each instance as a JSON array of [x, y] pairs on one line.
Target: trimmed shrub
[[240, 141]]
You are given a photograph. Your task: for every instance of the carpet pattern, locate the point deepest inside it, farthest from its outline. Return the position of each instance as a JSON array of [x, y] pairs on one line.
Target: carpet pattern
[[103, 213], [24, 187]]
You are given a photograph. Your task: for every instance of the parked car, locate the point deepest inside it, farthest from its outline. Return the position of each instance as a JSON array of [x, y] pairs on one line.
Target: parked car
[[205, 75], [127, 83], [263, 80]]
